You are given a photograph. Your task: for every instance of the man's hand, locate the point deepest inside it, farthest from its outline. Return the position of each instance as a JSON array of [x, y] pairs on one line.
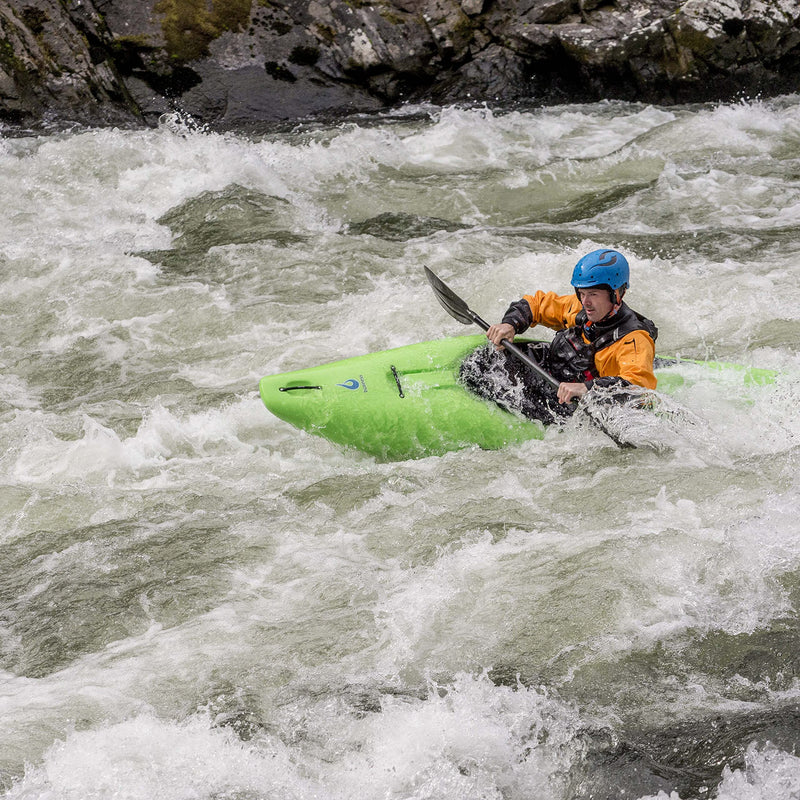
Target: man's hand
[[497, 333], [567, 392]]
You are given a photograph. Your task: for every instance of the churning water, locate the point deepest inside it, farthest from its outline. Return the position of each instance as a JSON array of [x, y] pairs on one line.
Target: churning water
[[198, 601]]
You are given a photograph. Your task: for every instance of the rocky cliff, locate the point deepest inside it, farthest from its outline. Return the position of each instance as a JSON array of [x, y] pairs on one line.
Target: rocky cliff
[[231, 63]]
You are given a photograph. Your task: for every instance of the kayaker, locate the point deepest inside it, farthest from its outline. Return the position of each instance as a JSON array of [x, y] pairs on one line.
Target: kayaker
[[600, 342]]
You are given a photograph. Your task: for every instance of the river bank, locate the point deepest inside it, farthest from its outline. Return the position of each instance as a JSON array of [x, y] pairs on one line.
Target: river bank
[[247, 63]]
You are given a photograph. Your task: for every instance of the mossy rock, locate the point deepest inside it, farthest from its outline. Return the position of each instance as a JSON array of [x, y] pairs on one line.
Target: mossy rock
[[189, 26]]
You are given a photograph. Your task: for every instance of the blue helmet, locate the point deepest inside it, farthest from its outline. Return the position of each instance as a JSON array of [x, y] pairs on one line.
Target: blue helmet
[[602, 268]]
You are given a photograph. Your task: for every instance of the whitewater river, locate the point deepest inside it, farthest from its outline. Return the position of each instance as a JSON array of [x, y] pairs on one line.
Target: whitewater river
[[198, 601]]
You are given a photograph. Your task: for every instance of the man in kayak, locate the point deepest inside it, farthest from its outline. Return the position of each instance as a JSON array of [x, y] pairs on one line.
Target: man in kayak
[[600, 342]]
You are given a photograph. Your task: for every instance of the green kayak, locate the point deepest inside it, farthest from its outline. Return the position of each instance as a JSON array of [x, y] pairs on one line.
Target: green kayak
[[408, 403]]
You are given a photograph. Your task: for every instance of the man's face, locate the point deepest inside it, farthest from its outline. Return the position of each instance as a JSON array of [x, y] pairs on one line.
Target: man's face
[[596, 303]]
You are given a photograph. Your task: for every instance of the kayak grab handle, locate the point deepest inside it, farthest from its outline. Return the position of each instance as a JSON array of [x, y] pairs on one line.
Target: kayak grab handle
[[396, 379], [293, 388]]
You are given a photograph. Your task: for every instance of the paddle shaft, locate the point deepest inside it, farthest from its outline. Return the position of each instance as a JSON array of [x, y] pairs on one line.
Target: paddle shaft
[[519, 353], [522, 356]]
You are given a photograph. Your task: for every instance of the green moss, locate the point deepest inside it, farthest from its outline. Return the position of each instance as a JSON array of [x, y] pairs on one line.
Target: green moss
[[464, 27], [34, 19], [281, 28], [326, 33], [189, 26], [9, 60], [391, 16], [232, 15], [139, 41]]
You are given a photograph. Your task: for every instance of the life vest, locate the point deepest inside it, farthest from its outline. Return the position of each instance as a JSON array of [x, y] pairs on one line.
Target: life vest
[[571, 358]]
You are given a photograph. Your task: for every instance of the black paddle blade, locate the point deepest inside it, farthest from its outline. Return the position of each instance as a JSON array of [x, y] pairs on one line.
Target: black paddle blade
[[450, 301]]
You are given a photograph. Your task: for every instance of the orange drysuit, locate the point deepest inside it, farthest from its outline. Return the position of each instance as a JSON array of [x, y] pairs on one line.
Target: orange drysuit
[[623, 353]]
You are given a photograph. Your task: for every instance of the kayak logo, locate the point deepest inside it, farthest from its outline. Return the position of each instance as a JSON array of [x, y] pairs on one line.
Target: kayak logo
[[353, 384]]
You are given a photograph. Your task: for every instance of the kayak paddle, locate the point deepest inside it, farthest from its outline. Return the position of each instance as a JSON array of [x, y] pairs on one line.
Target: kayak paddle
[[459, 310]]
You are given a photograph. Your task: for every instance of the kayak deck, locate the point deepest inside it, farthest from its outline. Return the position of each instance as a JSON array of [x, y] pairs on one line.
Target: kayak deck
[[396, 404]]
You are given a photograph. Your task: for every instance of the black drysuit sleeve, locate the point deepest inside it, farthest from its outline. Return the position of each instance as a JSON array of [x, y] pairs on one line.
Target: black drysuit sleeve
[[519, 315]]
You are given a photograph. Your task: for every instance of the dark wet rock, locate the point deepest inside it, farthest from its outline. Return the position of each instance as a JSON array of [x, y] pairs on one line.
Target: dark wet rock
[[234, 63], [234, 215], [57, 63], [400, 227], [690, 757]]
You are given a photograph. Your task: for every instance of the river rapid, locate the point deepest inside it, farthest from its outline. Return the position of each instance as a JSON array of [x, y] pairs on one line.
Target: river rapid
[[199, 601]]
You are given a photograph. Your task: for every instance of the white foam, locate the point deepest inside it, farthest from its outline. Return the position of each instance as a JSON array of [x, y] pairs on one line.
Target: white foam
[[471, 738], [145, 758], [162, 440]]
